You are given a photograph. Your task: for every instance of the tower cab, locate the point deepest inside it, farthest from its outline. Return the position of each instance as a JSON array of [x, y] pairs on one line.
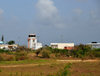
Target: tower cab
[[32, 42]]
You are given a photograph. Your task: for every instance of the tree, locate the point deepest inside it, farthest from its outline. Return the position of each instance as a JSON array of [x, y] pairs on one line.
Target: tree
[[46, 53], [38, 52], [11, 42], [2, 39]]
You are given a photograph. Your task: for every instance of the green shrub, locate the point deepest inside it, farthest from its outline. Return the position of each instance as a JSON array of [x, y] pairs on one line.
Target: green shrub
[[21, 55], [38, 52], [4, 51], [65, 71], [45, 53], [0, 70], [57, 54], [97, 54], [6, 57]]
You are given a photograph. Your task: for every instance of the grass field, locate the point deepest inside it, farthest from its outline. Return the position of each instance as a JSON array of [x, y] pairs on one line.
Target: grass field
[[85, 69], [38, 61], [45, 67]]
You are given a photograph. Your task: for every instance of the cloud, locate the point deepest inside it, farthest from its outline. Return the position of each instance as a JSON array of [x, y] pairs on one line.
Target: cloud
[[1, 11], [95, 16], [78, 11], [82, 0], [1, 15], [46, 9], [48, 13]]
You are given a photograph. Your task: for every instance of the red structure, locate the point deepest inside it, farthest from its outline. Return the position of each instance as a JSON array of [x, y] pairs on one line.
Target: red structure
[[28, 43], [69, 48]]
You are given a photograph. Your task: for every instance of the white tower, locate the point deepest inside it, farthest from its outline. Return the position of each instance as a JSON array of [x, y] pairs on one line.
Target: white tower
[[32, 42]]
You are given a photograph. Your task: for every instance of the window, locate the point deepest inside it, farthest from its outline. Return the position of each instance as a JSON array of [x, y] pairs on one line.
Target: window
[[32, 35], [33, 40], [54, 46]]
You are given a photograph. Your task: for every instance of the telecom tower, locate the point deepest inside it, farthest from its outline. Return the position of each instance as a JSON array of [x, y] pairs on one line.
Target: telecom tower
[[32, 42]]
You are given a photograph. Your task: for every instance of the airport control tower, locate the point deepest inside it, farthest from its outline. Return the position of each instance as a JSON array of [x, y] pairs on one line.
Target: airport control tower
[[32, 42]]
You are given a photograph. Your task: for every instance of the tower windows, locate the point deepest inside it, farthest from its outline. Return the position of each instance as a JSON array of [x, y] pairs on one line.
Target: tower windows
[[32, 35]]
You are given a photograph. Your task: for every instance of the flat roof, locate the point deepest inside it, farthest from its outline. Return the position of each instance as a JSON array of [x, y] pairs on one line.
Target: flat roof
[[61, 43], [1, 42], [32, 34]]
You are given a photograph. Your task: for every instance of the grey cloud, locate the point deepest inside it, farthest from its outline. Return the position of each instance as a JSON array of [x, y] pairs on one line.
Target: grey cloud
[[46, 9], [78, 11], [94, 15], [1, 11], [82, 0], [48, 14]]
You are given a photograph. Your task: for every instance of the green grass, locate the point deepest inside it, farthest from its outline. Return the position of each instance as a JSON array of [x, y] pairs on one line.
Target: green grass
[[65, 71], [38, 70], [24, 62], [0, 70], [52, 69]]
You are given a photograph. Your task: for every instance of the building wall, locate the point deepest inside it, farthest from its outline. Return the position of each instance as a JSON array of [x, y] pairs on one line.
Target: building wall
[[32, 42], [8, 47], [1, 42], [94, 45], [3, 46], [68, 46], [63, 45], [39, 45]]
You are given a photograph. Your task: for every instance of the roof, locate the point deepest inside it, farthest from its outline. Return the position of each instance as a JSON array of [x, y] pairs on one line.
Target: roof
[[93, 43], [60, 43], [32, 34], [1, 42]]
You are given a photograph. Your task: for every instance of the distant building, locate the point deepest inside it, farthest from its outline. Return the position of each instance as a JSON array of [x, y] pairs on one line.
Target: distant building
[[8, 47], [32, 42], [94, 44], [68, 46], [1, 42]]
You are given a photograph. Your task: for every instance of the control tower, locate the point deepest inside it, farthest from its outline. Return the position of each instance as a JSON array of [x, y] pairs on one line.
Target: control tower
[[32, 42]]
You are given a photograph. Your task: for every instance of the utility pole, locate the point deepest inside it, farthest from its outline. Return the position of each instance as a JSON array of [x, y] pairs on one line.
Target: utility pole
[[62, 39], [38, 38], [18, 40]]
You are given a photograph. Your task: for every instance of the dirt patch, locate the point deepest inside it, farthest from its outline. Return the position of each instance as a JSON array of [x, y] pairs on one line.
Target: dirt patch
[[37, 70], [85, 69], [74, 61]]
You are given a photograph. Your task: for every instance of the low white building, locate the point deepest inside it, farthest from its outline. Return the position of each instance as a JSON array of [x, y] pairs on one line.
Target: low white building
[[68, 46], [94, 44], [33, 43], [8, 47], [1, 42], [39, 45]]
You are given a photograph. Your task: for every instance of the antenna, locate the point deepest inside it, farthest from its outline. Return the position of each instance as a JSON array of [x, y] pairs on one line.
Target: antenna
[[62, 40], [18, 40], [38, 38]]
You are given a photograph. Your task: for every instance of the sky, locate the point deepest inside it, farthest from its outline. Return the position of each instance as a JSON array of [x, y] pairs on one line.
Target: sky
[[76, 21]]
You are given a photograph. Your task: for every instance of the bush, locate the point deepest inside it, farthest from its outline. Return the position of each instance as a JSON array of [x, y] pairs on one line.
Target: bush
[[21, 55], [45, 53], [97, 54], [38, 52], [0, 70], [65, 71], [57, 54], [23, 48], [4, 51], [6, 57]]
